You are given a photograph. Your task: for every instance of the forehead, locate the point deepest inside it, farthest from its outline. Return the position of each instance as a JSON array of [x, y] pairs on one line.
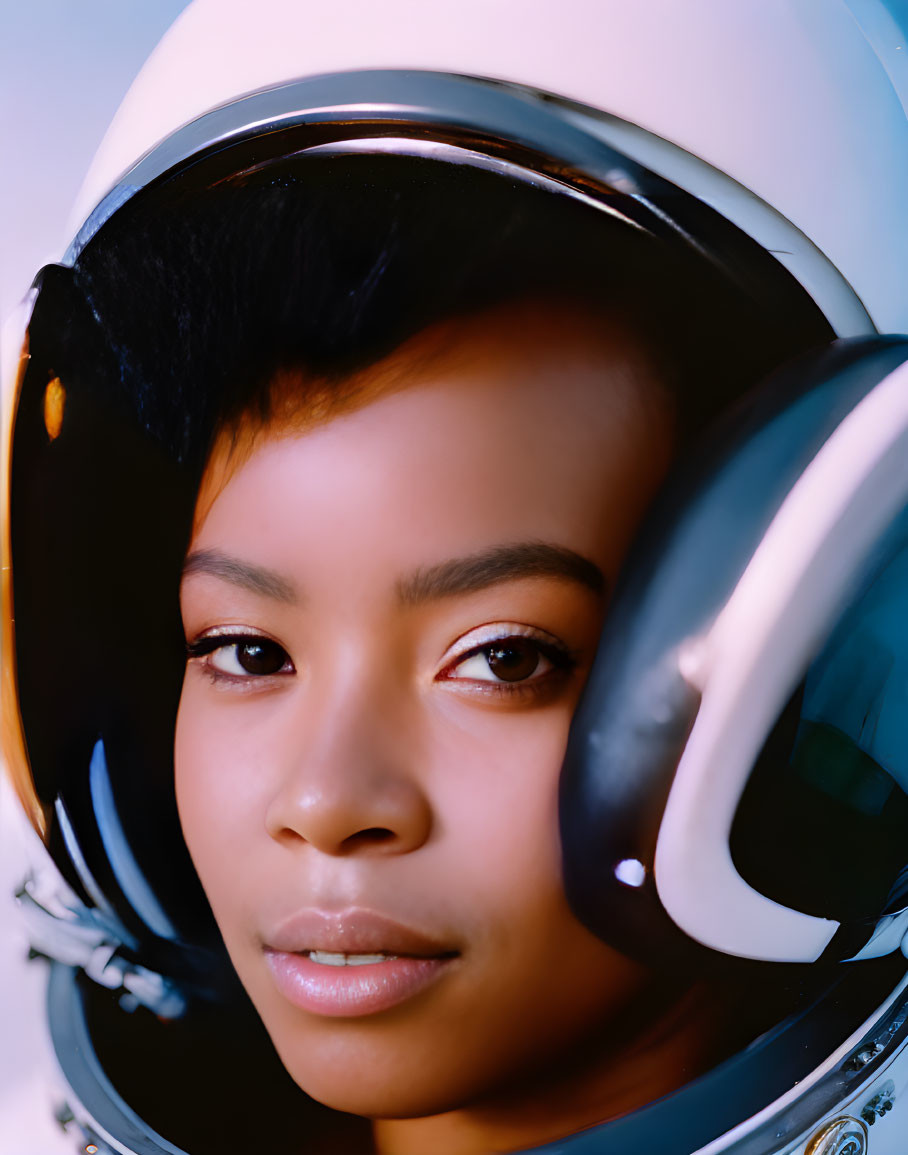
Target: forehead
[[516, 426], [529, 356]]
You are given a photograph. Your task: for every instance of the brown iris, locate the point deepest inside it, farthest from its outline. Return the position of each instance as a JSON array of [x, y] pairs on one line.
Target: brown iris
[[261, 657], [513, 660]]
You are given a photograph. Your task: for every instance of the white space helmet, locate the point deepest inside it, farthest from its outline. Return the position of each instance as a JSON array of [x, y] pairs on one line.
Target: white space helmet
[[735, 793]]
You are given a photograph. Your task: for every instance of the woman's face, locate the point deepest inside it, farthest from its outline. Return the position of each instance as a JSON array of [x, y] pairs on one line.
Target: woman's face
[[390, 619]]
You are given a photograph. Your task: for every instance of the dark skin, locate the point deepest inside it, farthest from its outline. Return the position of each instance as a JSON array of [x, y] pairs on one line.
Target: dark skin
[[386, 665]]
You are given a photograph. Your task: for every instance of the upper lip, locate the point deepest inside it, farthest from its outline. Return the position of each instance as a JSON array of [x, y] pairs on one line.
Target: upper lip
[[354, 930]]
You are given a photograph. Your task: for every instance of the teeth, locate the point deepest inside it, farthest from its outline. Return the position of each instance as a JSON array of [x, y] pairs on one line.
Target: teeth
[[333, 959]]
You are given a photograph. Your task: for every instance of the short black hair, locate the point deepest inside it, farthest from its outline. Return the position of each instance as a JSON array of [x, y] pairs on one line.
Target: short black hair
[[191, 302]]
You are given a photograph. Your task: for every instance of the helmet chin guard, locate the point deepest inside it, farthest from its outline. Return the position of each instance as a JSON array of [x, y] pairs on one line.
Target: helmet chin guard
[[700, 757]]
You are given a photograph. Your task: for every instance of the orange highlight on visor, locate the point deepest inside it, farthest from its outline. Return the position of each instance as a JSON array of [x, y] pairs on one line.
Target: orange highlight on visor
[[54, 404]]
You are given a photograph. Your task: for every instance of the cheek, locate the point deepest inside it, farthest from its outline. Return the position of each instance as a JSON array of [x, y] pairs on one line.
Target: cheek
[[192, 783], [495, 788], [541, 977], [215, 787]]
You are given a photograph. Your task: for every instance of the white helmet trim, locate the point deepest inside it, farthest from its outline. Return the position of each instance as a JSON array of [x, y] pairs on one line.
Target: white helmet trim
[[749, 662]]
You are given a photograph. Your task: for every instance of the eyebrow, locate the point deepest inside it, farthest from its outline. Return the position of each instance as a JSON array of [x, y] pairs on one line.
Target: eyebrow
[[500, 564], [256, 579]]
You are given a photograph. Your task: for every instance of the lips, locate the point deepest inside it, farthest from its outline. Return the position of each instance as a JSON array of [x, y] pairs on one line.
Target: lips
[[353, 962]]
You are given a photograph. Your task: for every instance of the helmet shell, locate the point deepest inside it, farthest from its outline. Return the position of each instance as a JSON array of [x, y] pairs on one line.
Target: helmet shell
[[796, 106]]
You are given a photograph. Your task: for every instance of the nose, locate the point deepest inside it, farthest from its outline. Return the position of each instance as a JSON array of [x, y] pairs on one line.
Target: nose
[[350, 784]]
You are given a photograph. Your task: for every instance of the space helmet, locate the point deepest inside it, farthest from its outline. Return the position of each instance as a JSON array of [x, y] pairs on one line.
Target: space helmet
[[735, 788]]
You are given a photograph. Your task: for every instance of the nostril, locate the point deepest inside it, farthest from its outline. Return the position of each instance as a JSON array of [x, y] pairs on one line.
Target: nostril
[[370, 837]]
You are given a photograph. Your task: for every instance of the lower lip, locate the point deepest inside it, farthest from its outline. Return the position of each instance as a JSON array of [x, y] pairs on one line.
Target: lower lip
[[349, 991]]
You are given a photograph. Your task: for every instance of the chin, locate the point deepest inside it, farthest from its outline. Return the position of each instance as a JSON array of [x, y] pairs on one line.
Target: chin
[[378, 1084], [377, 1098]]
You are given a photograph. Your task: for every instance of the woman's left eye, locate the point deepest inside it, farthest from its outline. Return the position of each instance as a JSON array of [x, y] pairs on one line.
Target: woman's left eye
[[507, 661]]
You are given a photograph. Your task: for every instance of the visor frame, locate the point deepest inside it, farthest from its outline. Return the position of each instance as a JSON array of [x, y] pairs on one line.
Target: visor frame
[[575, 145]]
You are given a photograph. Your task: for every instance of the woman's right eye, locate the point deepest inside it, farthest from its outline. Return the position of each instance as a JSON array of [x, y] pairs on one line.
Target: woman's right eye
[[240, 656]]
